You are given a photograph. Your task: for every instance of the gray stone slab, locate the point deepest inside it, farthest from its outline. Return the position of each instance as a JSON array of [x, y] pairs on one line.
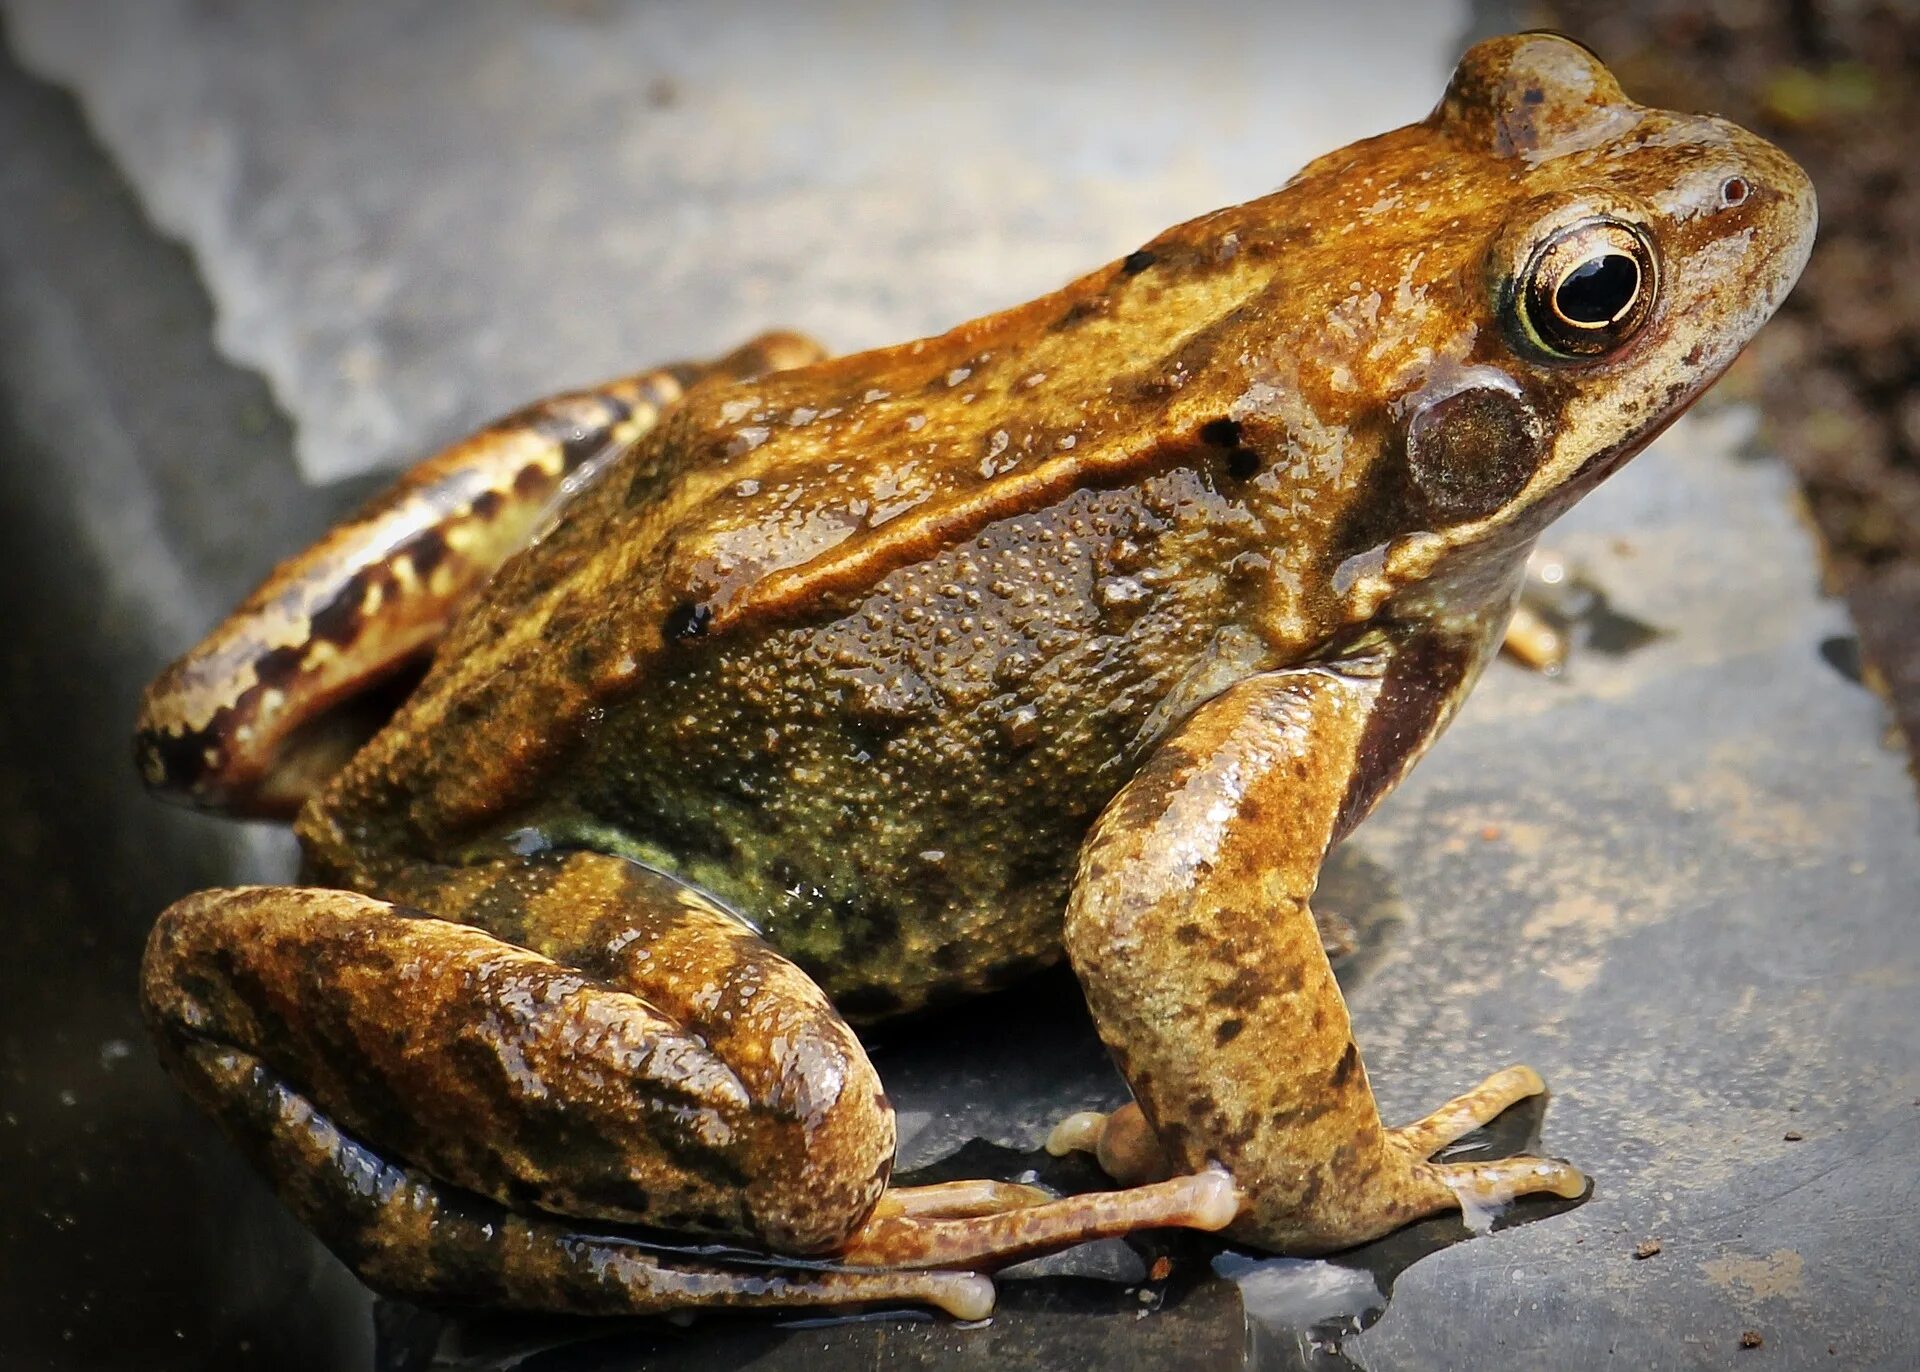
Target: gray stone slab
[[410, 217], [1680, 880]]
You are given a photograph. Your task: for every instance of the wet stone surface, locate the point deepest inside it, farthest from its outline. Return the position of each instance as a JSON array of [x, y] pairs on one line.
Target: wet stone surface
[[1678, 879]]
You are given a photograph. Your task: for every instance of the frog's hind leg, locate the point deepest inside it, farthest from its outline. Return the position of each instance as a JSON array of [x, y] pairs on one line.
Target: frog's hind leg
[[412, 1236], [249, 722], [600, 1044], [432, 1097], [610, 1046]]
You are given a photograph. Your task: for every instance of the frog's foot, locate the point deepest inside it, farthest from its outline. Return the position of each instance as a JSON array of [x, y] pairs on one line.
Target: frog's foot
[[250, 721], [1466, 1113], [1481, 1185], [1122, 1142], [1024, 1229], [612, 1048]]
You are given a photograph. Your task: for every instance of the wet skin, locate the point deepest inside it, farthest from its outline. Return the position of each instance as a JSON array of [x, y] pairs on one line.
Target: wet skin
[[777, 693]]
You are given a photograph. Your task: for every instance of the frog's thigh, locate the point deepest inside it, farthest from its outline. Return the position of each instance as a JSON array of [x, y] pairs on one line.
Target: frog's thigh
[[538, 1085], [248, 722], [1190, 930]]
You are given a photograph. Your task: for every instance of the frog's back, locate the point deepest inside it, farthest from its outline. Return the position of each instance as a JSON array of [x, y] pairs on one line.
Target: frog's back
[[933, 600], [871, 704]]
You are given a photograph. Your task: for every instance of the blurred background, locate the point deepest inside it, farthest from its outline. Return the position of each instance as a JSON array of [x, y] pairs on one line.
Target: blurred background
[[253, 258]]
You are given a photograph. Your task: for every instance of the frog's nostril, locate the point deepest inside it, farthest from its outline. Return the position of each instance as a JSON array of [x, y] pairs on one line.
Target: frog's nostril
[[1733, 191]]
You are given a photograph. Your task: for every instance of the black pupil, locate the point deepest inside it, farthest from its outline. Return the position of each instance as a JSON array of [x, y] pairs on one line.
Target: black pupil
[[1598, 290]]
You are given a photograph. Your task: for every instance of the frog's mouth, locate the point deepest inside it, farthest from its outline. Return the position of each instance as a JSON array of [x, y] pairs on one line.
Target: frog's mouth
[[1610, 459]]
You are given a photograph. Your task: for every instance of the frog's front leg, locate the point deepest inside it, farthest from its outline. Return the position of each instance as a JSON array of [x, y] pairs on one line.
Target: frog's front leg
[[462, 1110], [249, 721], [1190, 930]]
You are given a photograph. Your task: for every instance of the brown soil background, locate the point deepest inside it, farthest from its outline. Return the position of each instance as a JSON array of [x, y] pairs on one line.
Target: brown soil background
[[1837, 374]]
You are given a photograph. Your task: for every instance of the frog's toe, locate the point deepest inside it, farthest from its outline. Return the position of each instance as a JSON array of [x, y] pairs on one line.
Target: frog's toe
[[891, 1239], [1465, 1113], [1480, 1186], [1484, 1186], [955, 1200], [1123, 1142]]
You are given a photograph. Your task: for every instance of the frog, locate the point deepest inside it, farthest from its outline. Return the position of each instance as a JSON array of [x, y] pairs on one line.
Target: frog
[[651, 742]]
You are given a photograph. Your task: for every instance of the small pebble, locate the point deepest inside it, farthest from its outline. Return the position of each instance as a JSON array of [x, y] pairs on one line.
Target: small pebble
[[1647, 1249], [1751, 1339], [1793, 1136]]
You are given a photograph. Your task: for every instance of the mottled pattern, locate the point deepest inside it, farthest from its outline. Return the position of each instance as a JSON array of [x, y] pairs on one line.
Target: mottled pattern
[[1190, 930], [1125, 603], [240, 724], [636, 1055]]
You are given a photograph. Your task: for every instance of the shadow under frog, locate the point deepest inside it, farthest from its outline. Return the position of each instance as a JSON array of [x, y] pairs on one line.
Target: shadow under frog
[[785, 693]]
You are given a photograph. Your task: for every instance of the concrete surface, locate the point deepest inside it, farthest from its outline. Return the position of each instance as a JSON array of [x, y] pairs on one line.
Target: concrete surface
[[1679, 880]]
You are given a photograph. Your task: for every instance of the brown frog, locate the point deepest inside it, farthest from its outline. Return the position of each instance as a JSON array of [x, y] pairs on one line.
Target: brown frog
[[777, 693]]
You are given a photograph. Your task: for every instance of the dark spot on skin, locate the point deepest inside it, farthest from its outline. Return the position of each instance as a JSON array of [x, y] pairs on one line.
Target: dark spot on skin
[[1080, 312], [178, 759], [1227, 1031], [685, 621], [1322, 1104], [1422, 673], [532, 479], [1189, 934], [425, 550], [1242, 461], [1842, 653], [1695, 353], [1136, 262], [1245, 991], [1534, 95], [1310, 1193], [342, 621], [281, 665], [1344, 1069], [1220, 433], [487, 504]]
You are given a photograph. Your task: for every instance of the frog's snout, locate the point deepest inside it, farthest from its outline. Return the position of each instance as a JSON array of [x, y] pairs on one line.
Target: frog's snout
[[1779, 195]]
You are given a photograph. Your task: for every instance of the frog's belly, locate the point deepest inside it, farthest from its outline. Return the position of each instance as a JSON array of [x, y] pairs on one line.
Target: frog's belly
[[936, 872], [898, 860], [897, 795]]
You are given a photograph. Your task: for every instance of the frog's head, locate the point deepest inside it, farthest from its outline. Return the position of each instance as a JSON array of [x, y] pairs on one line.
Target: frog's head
[[1581, 268]]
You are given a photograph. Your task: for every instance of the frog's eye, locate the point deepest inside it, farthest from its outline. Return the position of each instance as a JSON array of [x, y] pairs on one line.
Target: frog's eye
[[1587, 289]]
